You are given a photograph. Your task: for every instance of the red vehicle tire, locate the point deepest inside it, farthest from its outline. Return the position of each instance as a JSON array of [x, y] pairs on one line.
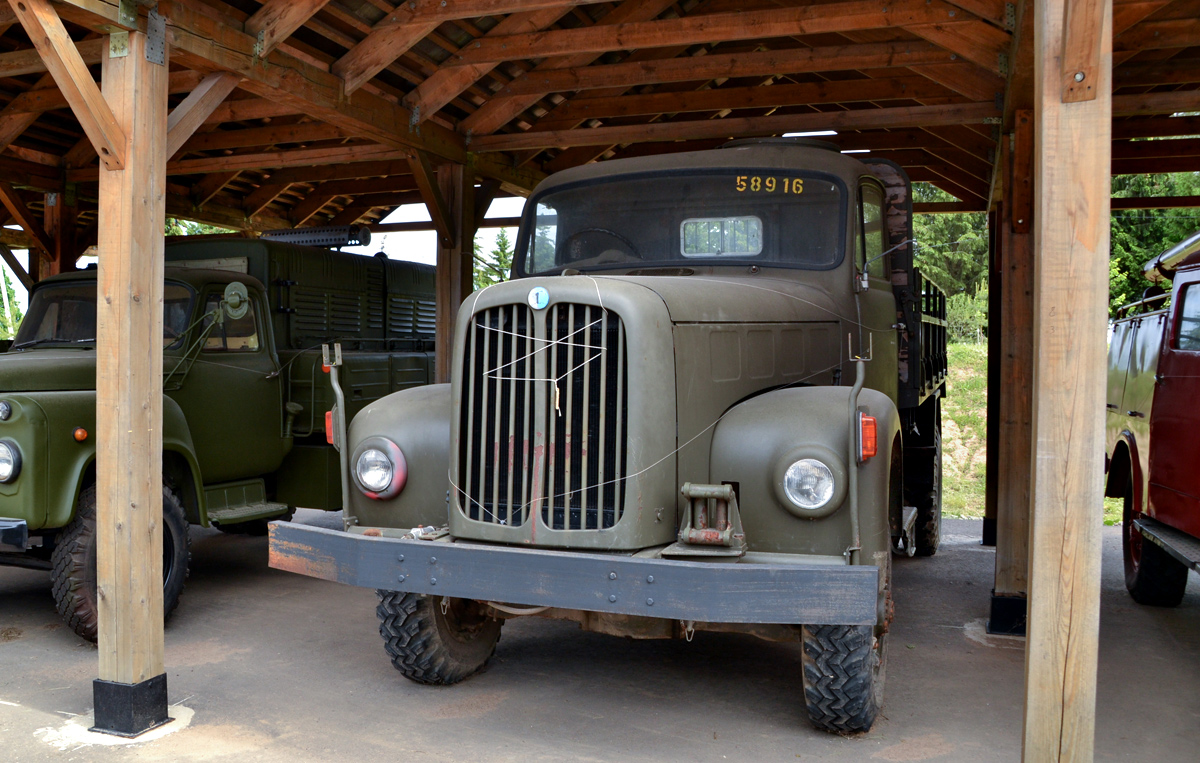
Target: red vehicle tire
[[1152, 576]]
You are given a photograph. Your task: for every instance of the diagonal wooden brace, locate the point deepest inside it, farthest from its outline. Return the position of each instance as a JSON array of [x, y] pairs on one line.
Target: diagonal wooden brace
[[193, 110], [439, 210], [66, 65]]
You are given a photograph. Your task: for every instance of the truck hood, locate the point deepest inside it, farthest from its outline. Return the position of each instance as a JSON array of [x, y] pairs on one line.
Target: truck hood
[[45, 370], [724, 299]]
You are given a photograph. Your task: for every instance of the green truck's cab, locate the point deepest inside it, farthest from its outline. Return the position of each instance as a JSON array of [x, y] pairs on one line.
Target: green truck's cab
[[244, 405], [661, 425]]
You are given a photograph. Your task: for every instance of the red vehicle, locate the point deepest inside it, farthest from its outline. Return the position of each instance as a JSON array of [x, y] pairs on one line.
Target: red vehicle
[[1153, 427]]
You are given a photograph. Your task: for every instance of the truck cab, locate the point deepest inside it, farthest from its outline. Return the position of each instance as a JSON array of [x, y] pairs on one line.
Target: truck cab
[[1152, 420], [707, 400], [244, 438]]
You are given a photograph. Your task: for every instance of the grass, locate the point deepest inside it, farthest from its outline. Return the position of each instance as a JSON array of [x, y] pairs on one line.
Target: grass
[[964, 431], [964, 436]]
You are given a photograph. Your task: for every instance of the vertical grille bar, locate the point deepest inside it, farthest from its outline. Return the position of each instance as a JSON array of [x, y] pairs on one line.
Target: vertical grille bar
[[570, 481], [585, 444], [510, 467], [552, 414], [485, 404], [469, 399], [603, 489]]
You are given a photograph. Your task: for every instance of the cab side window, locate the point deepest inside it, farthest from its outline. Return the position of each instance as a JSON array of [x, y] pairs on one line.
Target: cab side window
[[240, 335], [1188, 334], [871, 232]]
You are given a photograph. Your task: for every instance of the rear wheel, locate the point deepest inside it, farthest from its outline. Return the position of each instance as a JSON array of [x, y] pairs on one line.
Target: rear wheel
[[929, 511], [1152, 576], [74, 560], [433, 639]]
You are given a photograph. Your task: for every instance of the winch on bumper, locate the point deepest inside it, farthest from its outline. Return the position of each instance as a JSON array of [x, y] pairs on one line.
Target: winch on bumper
[[759, 588]]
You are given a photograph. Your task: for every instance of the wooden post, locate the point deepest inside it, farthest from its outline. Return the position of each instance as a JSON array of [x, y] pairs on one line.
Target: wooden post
[[131, 693], [1071, 230], [456, 262], [59, 219], [995, 331], [1015, 426]]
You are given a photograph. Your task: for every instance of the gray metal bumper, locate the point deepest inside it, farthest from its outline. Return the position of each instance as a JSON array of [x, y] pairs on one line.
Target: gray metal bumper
[[620, 584], [14, 534]]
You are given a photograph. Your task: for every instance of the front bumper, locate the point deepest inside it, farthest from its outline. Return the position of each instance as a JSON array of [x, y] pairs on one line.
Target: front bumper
[[14, 534], [716, 592]]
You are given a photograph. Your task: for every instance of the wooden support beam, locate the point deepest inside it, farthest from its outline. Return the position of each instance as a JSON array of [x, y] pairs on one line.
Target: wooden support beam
[[197, 107], [728, 65], [15, 265], [1080, 56], [945, 207], [696, 29], [210, 185], [15, 205], [14, 120], [251, 109], [273, 135], [271, 159], [309, 206], [262, 196], [500, 110], [972, 81], [129, 495], [45, 96], [449, 81], [60, 215], [1071, 235], [1156, 202], [455, 263], [416, 227], [65, 63], [995, 329], [439, 211], [898, 117], [276, 20], [974, 40], [29, 61], [485, 194]]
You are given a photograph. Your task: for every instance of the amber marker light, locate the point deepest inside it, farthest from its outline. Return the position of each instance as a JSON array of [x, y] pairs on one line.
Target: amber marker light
[[81, 434], [868, 438]]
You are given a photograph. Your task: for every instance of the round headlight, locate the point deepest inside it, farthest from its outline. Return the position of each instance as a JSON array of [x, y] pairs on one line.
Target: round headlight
[[808, 484], [10, 462], [374, 470]]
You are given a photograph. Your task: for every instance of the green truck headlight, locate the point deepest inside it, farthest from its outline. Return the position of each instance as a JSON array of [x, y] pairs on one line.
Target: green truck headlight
[[808, 483], [10, 461]]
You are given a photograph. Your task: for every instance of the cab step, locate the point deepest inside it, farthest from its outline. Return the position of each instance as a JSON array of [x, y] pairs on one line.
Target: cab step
[[232, 516], [1185, 548]]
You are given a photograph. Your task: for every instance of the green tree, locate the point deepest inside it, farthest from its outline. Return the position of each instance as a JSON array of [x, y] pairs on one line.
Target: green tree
[[1139, 235], [10, 311], [495, 266], [952, 249], [177, 227]]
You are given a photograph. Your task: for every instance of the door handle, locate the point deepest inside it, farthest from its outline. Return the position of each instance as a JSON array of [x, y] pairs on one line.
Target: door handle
[[1138, 414], [1112, 407]]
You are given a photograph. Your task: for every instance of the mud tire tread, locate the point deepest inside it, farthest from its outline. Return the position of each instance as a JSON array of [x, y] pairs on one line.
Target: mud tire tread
[[418, 646], [841, 668]]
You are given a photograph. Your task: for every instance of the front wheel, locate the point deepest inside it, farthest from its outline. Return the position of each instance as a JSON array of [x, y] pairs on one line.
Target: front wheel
[[74, 560], [1152, 576], [434, 639], [844, 668]]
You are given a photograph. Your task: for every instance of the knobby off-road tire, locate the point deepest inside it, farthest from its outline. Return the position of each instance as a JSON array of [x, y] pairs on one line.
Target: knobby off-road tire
[[430, 647], [74, 559], [929, 511], [844, 668], [1152, 576]]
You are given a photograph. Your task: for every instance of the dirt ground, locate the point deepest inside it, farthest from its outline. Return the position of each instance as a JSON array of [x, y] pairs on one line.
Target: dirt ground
[[268, 666]]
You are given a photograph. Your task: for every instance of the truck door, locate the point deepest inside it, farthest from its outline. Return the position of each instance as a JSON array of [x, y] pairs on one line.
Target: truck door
[[1175, 419], [878, 300], [232, 396], [1137, 401]]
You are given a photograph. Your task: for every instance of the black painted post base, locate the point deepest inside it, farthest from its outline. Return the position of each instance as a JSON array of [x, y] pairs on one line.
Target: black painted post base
[[989, 532], [1008, 615], [130, 710]]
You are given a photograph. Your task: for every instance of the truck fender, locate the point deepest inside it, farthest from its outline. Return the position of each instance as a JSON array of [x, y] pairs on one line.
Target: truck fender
[[757, 439], [1124, 465], [417, 421]]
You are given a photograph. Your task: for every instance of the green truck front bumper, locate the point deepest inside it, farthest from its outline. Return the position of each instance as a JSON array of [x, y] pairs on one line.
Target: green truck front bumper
[[716, 592]]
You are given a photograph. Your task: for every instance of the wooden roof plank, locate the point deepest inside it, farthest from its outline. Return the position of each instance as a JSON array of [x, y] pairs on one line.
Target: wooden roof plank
[[277, 20], [705, 28], [304, 132], [15, 205]]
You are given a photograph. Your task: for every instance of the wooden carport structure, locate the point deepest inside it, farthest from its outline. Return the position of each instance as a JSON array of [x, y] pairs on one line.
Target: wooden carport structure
[[312, 112]]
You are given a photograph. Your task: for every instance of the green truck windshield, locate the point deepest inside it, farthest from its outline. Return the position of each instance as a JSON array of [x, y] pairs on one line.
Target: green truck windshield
[[65, 314], [757, 216]]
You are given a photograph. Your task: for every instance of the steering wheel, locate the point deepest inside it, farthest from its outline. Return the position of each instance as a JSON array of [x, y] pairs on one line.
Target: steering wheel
[[567, 241]]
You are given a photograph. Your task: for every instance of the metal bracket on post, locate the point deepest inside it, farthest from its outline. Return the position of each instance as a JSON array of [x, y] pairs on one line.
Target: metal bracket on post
[[156, 38], [118, 44], [260, 43], [127, 13], [1002, 64], [1010, 16]]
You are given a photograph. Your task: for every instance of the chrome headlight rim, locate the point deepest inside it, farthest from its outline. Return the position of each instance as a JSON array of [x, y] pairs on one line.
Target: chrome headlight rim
[[393, 454], [834, 463], [15, 453], [6, 410]]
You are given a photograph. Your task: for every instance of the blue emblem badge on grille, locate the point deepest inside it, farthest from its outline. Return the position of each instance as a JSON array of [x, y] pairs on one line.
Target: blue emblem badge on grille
[[538, 298]]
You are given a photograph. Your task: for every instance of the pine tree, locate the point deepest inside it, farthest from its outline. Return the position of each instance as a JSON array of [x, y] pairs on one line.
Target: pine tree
[[496, 265], [10, 311]]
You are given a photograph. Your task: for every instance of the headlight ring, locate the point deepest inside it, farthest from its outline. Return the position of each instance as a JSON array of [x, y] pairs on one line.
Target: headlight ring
[[810, 481], [10, 461], [379, 468]]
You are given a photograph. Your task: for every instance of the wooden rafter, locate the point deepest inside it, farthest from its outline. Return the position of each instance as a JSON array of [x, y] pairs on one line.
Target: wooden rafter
[[276, 20], [303, 132], [191, 113], [64, 62], [15, 205], [439, 210]]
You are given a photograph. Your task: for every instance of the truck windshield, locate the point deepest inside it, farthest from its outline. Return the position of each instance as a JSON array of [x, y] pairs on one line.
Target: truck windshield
[[715, 217], [65, 315]]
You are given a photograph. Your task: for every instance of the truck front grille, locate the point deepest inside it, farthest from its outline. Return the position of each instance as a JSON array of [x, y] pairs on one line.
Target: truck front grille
[[543, 417]]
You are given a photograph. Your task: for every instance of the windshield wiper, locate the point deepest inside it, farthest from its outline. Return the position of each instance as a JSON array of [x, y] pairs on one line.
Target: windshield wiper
[[32, 342]]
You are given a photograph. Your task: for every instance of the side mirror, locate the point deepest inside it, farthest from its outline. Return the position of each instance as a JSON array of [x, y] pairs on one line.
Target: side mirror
[[236, 301]]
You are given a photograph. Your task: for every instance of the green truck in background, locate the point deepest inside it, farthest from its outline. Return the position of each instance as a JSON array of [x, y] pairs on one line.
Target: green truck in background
[[245, 398], [709, 400]]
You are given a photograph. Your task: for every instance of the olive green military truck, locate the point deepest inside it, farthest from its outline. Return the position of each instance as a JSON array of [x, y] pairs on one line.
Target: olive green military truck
[[244, 429], [707, 401]]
